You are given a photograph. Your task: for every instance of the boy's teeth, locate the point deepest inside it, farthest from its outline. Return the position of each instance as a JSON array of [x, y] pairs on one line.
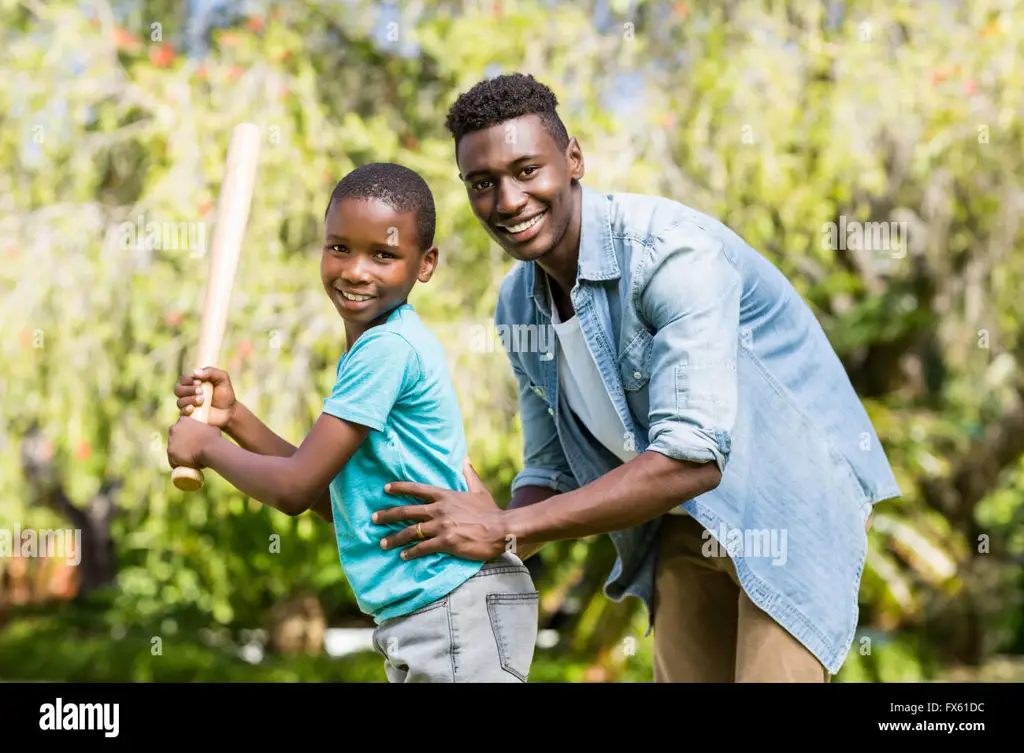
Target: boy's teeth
[[353, 297]]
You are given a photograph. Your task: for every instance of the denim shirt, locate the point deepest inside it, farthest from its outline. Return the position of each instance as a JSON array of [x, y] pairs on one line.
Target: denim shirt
[[710, 355]]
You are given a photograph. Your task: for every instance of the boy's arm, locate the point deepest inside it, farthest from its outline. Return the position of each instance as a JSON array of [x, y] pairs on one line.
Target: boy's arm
[[292, 484], [255, 436], [373, 376]]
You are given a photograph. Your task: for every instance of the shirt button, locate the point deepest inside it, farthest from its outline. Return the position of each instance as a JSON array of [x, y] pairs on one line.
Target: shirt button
[[551, 412], [637, 375]]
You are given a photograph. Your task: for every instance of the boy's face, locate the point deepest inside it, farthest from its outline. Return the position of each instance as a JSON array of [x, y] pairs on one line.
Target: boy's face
[[371, 259], [515, 175]]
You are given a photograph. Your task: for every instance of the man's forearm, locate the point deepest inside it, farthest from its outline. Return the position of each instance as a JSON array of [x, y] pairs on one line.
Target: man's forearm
[[638, 491], [255, 436], [525, 496]]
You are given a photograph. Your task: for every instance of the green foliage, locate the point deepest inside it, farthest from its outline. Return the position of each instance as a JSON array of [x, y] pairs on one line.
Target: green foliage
[[46, 650], [778, 122]]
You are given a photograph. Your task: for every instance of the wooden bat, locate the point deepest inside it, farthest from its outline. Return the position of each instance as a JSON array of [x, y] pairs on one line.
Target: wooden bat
[[232, 216]]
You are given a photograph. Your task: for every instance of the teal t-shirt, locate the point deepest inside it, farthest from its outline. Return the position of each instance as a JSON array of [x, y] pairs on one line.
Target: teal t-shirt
[[395, 380]]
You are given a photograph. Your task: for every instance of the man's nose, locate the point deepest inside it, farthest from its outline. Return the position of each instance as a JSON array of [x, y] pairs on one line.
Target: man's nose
[[511, 198]]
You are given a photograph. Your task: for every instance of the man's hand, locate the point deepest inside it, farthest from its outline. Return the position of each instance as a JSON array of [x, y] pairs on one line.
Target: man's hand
[[187, 442], [466, 524]]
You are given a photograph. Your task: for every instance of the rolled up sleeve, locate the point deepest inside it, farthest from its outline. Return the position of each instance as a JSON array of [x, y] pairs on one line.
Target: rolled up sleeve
[[691, 298]]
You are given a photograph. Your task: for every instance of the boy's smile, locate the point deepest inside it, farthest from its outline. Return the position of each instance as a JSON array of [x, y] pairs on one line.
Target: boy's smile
[[371, 260]]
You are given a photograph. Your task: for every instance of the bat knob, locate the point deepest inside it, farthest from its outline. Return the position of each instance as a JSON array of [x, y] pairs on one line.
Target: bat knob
[[187, 479]]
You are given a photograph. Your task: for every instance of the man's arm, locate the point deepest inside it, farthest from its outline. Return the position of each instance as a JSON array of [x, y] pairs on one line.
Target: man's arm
[[644, 488], [291, 484], [525, 496], [255, 436], [691, 300]]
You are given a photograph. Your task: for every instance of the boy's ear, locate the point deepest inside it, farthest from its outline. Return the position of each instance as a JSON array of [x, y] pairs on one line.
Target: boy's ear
[[428, 264]]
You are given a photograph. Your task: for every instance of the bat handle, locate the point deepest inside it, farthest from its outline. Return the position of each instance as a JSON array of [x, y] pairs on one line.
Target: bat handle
[[187, 479], [191, 479]]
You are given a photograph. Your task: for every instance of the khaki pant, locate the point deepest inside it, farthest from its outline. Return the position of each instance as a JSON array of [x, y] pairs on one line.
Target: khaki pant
[[706, 629]]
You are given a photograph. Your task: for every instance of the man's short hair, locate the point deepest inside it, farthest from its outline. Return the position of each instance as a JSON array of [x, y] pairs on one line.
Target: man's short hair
[[399, 187], [503, 98]]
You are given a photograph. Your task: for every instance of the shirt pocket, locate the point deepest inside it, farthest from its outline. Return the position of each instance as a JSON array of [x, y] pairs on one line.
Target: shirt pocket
[[635, 361]]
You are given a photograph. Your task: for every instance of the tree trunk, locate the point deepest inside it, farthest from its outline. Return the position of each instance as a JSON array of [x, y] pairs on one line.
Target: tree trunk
[[98, 566]]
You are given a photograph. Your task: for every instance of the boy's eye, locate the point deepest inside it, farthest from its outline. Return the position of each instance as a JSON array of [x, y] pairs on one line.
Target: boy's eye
[[479, 185], [338, 249], [526, 170]]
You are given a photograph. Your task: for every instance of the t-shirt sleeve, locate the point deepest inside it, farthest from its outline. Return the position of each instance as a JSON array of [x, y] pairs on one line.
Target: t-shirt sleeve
[[373, 377]]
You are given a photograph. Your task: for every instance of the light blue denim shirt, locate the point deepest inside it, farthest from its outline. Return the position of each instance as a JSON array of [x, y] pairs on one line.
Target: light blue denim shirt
[[709, 354]]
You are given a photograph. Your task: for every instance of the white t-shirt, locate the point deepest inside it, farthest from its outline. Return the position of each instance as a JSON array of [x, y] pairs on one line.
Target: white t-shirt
[[585, 392]]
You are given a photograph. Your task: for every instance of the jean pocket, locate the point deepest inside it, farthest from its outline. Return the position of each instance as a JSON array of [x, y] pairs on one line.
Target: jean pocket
[[514, 623]]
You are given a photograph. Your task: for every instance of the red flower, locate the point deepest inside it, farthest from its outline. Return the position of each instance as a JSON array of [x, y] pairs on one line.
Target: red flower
[[163, 55], [83, 450]]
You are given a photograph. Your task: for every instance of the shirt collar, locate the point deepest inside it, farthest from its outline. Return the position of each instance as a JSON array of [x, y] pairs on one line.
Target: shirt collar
[[597, 252]]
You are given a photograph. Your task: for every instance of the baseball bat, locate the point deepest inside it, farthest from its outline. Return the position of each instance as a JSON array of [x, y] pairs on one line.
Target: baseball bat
[[232, 216]]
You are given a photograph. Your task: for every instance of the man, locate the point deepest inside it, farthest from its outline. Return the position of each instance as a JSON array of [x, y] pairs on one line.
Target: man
[[691, 407]]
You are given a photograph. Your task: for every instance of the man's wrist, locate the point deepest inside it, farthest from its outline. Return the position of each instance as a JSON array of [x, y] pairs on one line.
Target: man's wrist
[[518, 528]]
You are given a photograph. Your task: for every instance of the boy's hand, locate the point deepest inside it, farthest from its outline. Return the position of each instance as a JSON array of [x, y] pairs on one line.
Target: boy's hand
[[190, 395], [187, 442]]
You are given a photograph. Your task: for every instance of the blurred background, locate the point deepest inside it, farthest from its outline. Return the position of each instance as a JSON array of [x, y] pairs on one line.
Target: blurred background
[[899, 122]]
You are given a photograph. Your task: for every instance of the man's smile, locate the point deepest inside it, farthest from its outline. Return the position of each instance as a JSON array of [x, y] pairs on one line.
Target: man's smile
[[523, 230]]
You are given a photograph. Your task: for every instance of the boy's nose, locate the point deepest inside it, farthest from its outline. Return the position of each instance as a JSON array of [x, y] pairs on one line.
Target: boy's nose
[[356, 272]]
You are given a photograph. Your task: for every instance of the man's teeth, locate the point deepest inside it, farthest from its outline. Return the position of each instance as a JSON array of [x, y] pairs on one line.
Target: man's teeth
[[523, 226], [354, 297]]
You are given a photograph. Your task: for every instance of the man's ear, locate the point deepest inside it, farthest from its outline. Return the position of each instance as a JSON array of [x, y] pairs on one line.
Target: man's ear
[[574, 156], [428, 264]]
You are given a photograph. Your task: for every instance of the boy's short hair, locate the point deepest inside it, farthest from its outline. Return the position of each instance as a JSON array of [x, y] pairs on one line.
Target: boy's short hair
[[502, 98], [399, 187]]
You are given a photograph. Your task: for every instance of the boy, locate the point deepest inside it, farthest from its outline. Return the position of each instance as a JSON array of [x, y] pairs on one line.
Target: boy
[[392, 414]]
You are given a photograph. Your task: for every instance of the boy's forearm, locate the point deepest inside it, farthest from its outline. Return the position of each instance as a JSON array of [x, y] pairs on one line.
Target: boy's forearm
[[265, 478], [255, 436]]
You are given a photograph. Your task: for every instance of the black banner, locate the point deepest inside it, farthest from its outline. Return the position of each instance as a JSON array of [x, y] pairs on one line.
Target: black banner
[[120, 714]]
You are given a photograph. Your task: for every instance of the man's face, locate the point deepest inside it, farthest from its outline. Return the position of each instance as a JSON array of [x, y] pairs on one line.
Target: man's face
[[371, 259], [520, 184]]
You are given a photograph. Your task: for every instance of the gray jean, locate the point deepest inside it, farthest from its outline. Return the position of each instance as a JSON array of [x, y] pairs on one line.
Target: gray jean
[[483, 631]]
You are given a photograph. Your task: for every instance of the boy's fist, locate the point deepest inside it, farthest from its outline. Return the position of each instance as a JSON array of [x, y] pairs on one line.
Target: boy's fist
[[190, 395]]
